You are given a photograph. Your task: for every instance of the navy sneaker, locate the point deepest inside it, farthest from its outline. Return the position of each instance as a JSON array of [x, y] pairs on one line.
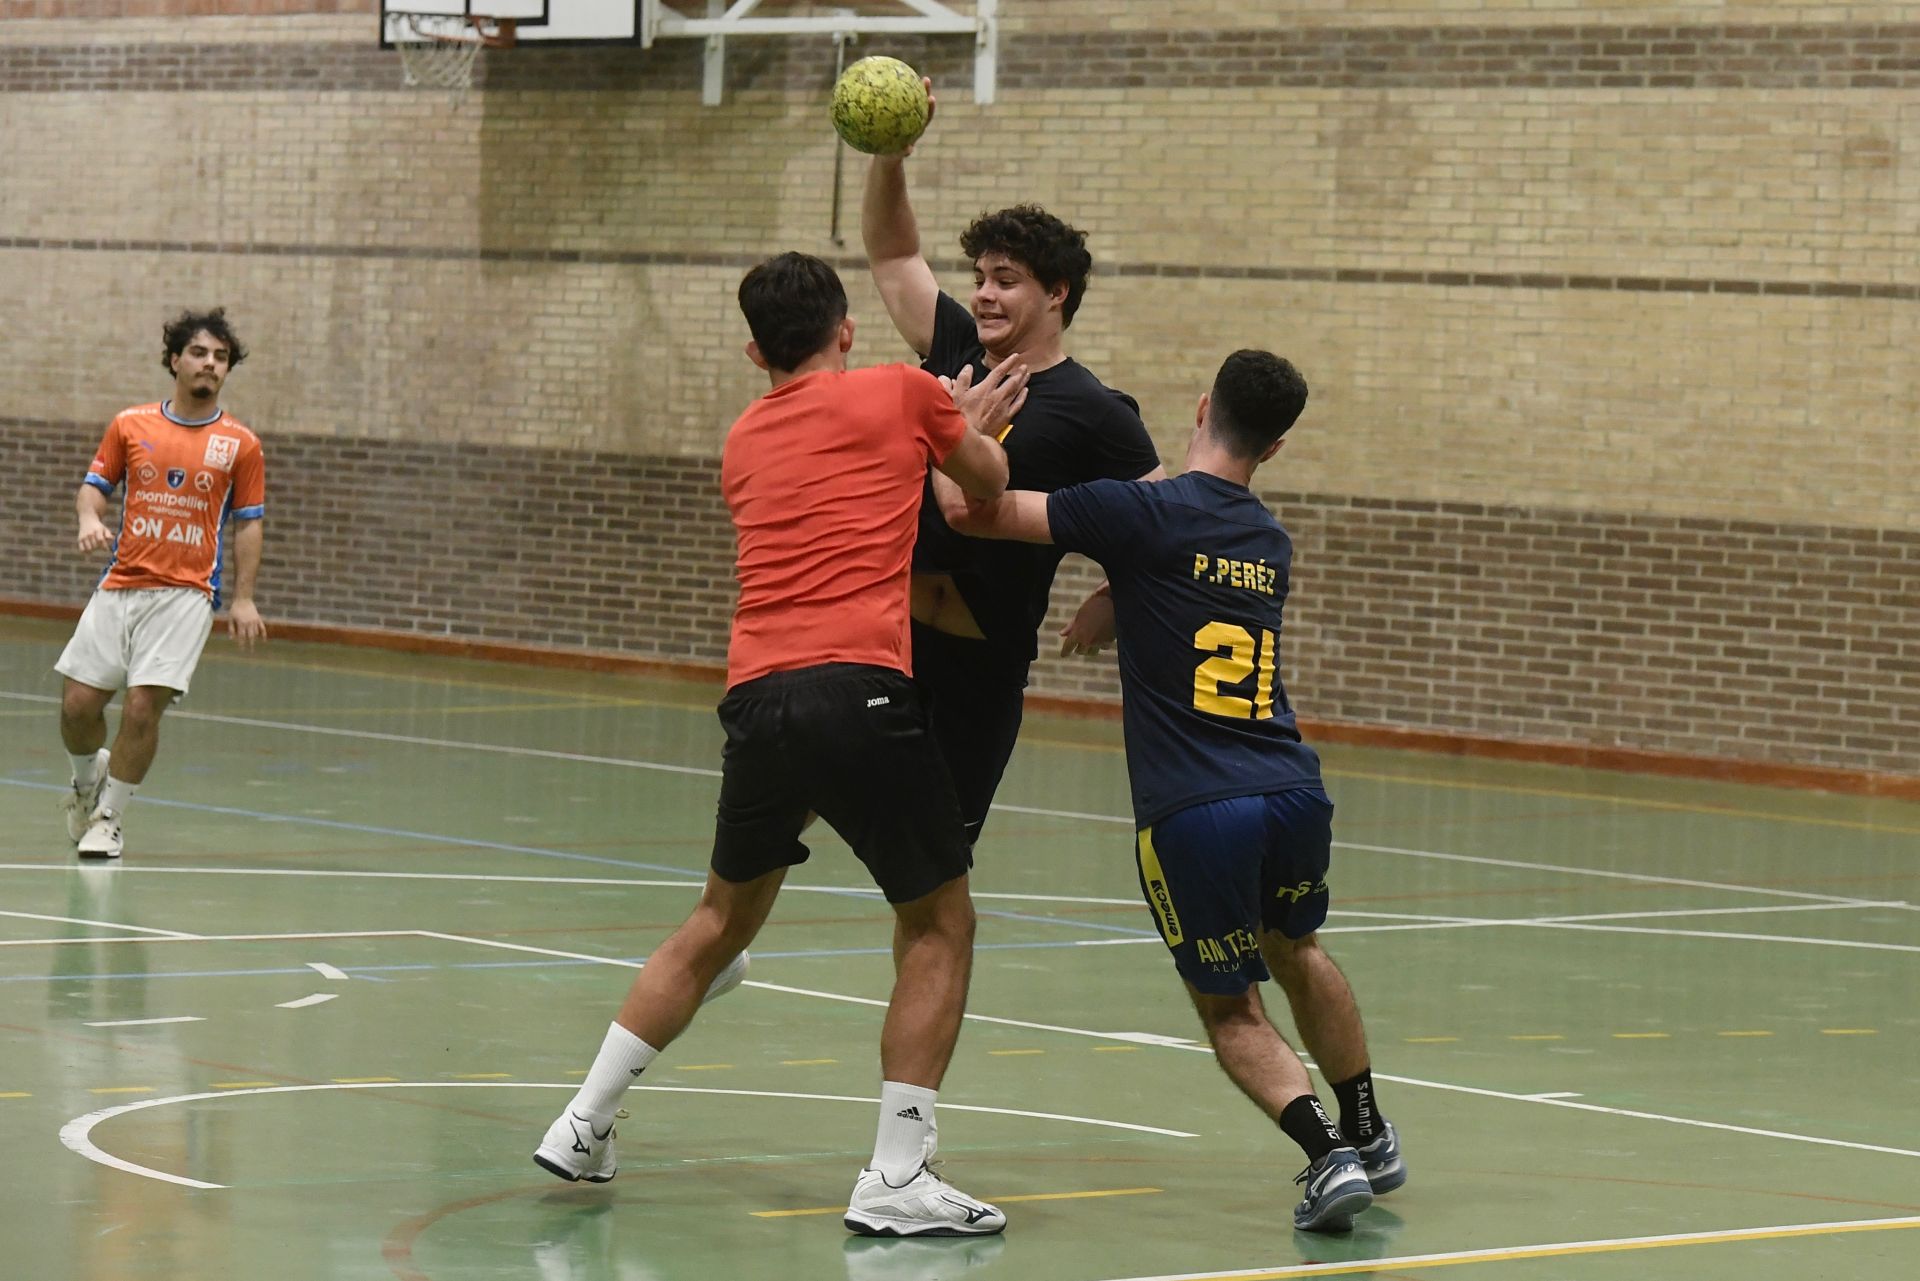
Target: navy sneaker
[[1381, 1160], [1337, 1190]]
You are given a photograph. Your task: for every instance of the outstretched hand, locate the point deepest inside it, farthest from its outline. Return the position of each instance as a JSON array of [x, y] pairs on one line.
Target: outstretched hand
[[990, 406]]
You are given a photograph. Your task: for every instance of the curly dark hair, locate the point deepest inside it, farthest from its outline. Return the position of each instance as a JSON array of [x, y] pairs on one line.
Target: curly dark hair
[[1055, 253], [179, 331], [1256, 398]]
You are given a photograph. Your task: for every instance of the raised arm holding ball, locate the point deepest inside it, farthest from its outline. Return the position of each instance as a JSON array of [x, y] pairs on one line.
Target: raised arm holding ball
[[978, 605]]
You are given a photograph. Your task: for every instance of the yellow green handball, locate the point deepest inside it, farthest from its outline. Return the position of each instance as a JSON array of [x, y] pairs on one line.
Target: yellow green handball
[[880, 106]]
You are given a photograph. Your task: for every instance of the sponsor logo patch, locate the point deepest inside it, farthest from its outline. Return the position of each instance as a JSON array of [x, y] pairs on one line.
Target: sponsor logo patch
[[203, 481], [148, 473], [176, 477], [221, 451]]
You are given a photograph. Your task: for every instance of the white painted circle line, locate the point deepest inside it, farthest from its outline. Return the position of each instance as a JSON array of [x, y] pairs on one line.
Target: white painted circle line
[[76, 1134]]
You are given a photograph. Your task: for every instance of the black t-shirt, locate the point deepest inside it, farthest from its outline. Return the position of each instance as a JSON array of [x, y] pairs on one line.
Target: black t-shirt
[[1072, 429], [1199, 570]]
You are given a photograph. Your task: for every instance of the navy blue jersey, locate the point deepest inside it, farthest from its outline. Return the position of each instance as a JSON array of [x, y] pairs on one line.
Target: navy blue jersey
[[1199, 573]]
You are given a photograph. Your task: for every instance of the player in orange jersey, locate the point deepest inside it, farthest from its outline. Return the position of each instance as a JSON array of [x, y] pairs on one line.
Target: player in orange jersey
[[188, 466]]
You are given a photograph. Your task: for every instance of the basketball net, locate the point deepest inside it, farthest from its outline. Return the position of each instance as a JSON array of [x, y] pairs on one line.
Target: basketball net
[[437, 51]]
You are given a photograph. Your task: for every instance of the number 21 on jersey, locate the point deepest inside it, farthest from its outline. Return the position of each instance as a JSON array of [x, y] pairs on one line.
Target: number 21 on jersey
[[1241, 656]]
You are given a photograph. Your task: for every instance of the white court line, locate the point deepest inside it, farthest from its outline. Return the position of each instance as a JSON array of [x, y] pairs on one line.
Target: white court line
[[1180, 1043], [318, 998], [636, 882], [178, 1018], [219, 938], [105, 925], [1498, 1254], [411, 740], [326, 971], [76, 1134], [1643, 877]]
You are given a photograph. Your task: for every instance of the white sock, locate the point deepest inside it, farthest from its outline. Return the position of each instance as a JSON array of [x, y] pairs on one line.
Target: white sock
[[115, 795], [907, 1135], [622, 1058], [83, 771]]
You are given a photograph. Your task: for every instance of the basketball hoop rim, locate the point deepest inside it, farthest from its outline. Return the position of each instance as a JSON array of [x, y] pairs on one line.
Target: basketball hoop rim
[[485, 31]]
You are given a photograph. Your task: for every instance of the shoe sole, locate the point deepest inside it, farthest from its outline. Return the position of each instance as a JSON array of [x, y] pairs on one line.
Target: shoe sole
[[99, 854], [876, 1228], [1387, 1180], [562, 1172], [1337, 1215]]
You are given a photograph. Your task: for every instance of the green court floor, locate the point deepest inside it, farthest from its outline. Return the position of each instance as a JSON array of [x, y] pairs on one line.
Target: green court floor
[[376, 912]]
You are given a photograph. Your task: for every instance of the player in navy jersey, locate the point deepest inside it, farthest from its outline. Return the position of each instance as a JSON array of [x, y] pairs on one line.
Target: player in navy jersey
[[1234, 827]]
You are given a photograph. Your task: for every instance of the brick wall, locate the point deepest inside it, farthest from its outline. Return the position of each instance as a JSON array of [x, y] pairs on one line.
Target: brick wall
[[1568, 284]]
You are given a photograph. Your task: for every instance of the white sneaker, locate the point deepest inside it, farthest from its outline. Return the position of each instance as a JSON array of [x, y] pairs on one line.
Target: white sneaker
[[727, 979], [925, 1206], [102, 837], [80, 802], [574, 1150]]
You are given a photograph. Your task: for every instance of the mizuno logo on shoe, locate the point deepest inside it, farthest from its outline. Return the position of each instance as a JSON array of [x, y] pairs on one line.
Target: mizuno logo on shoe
[[974, 1213], [579, 1144], [910, 1113]]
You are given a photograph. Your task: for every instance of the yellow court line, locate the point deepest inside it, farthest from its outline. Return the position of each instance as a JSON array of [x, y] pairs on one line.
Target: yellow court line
[[15, 1094], [483, 1076], [1001, 1054], [121, 1089], [1032, 1196], [1429, 1040], [1421, 1262], [243, 1085], [1641, 1036], [1849, 1031], [363, 1080], [702, 1067], [1116, 1049], [806, 1062]]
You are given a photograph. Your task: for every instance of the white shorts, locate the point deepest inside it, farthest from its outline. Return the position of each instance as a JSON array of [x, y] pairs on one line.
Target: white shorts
[[139, 636]]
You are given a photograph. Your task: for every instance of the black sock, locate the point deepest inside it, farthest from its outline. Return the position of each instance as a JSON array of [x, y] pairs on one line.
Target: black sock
[[1359, 1119], [1308, 1124]]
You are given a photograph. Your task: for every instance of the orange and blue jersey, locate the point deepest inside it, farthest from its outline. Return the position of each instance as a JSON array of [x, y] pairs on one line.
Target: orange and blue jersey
[[184, 479]]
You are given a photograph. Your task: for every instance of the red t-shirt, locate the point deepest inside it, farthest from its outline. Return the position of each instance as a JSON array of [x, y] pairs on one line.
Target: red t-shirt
[[822, 476]]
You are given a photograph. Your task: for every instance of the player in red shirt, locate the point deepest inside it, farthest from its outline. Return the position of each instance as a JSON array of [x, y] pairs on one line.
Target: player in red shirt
[[822, 477], [188, 467]]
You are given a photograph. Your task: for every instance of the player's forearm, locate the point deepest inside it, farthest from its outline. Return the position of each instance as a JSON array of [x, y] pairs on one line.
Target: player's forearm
[[247, 539], [90, 505], [888, 228]]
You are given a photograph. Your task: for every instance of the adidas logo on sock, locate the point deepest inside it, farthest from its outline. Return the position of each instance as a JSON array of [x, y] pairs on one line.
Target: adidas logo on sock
[[910, 1113], [636, 1071]]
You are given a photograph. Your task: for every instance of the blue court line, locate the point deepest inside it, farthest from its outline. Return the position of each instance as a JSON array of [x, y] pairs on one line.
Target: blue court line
[[695, 878], [371, 972]]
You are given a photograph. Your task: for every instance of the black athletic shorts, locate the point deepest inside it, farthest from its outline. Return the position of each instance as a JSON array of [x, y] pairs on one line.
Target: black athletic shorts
[[974, 694], [848, 742]]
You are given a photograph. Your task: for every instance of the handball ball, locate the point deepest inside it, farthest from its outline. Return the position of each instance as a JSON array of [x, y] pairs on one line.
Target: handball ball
[[880, 106]]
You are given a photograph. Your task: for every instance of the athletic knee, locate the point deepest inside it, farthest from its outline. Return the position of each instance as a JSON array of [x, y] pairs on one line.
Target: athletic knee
[[144, 706], [1220, 1014]]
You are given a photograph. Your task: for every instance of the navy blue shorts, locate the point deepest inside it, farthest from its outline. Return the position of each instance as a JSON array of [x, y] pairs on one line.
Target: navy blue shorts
[[1217, 874]]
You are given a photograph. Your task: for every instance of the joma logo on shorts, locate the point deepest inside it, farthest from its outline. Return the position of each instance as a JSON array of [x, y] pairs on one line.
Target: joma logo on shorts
[[882, 701]]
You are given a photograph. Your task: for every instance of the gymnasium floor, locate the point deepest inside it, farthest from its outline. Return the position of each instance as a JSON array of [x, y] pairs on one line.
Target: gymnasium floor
[[376, 912]]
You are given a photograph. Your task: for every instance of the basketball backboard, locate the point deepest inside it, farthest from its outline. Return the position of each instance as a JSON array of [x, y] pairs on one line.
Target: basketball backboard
[[578, 21]]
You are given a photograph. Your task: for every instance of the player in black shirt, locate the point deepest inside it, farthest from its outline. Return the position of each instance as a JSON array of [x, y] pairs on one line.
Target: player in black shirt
[[1234, 828], [978, 605]]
